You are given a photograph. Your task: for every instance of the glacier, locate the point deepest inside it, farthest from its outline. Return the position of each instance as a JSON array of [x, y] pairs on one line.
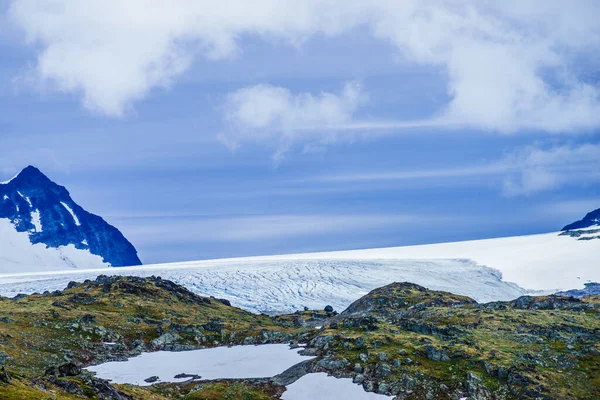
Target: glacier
[[284, 286], [485, 270]]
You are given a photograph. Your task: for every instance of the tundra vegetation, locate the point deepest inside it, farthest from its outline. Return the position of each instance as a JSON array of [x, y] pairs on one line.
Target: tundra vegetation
[[401, 340]]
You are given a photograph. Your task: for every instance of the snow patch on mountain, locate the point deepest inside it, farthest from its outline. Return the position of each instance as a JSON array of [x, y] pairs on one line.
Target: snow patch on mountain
[[36, 221], [17, 253], [70, 210], [8, 181]]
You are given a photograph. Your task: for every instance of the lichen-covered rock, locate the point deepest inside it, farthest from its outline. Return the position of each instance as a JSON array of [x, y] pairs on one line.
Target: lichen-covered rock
[[164, 339], [333, 364]]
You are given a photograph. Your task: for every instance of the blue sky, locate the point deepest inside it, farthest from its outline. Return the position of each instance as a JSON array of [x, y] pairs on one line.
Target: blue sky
[[208, 131]]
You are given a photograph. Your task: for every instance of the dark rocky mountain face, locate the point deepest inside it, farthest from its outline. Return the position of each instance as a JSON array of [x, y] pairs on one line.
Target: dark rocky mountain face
[[45, 210], [591, 219]]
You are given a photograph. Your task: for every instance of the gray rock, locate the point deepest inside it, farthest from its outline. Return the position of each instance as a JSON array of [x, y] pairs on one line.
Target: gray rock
[[294, 373], [190, 376], [333, 364], [383, 388], [164, 339], [249, 340], [4, 358], [152, 379], [88, 319], [321, 342], [435, 354], [383, 370], [359, 378]]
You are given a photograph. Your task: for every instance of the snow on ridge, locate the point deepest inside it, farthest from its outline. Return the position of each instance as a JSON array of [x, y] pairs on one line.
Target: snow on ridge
[[70, 210], [10, 180], [36, 220]]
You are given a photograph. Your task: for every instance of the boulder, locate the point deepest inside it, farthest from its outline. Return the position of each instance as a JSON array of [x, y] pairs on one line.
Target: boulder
[[69, 369], [333, 364], [164, 339], [4, 358], [4, 375], [436, 354]]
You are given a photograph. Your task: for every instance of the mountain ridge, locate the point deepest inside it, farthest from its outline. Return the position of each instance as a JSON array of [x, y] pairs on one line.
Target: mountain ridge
[[591, 219]]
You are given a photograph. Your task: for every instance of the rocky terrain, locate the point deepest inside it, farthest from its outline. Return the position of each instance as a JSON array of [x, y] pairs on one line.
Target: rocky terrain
[[402, 340]]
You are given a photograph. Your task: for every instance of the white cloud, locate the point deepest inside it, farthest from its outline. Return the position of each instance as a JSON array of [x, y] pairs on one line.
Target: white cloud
[[253, 228], [537, 169], [509, 64], [529, 170], [265, 113]]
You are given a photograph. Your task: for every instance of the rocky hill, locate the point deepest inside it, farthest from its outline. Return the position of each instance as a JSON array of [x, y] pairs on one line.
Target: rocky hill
[[414, 343], [401, 340]]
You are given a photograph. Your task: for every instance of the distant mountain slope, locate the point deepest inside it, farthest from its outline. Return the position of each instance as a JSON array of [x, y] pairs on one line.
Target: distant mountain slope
[[60, 232], [590, 289], [591, 219]]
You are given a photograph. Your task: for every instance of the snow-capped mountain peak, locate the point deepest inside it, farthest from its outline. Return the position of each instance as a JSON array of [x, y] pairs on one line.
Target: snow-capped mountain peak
[[59, 231]]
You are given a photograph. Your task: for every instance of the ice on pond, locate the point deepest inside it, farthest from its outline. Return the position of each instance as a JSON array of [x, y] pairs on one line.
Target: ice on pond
[[320, 386], [216, 363]]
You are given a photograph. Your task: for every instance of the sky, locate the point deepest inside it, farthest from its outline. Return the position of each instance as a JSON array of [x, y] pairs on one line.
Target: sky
[[206, 129]]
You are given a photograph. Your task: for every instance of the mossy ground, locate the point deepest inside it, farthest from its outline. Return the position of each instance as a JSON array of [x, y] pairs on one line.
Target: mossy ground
[[546, 353], [43, 330], [513, 352]]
